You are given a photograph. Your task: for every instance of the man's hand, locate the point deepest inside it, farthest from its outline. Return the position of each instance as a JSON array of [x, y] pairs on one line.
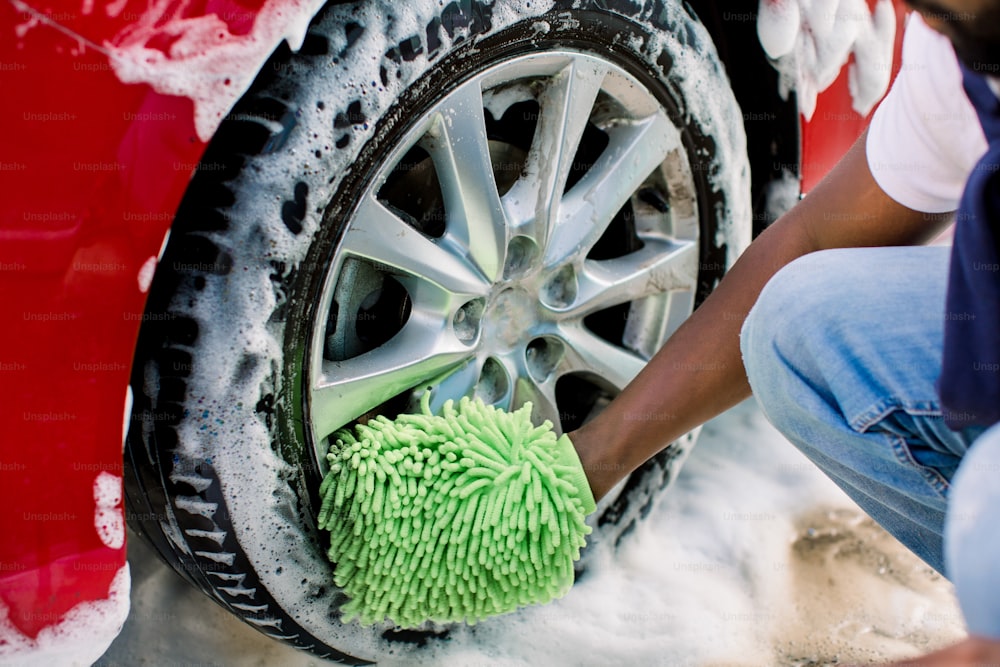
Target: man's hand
[[973, 652]]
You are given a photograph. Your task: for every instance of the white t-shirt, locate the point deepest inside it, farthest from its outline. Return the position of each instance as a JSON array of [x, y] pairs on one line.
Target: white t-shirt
[[925, 137]]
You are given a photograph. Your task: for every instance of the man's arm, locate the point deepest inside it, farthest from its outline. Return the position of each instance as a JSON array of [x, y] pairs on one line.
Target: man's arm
[[972, 652], [699, 372]]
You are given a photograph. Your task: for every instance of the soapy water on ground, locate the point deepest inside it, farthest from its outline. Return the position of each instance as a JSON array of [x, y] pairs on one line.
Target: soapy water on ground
[[752, 558]]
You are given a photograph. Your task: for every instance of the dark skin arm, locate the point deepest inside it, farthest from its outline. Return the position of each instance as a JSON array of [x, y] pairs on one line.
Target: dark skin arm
[[699, 373], [973, 652]]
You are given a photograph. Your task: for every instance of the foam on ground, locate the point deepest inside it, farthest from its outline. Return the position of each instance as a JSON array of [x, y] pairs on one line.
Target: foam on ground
[[752, 559]]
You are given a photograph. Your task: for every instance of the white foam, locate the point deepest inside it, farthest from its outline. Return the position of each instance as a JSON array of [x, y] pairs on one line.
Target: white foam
[[778, 26], [146, 272], [782, 194], [716, 107], [127, 415], [21, 29], [871, 70], [80, 637], [205, 62], [107, 490], [811, 40], [109, 520], [115, 7]]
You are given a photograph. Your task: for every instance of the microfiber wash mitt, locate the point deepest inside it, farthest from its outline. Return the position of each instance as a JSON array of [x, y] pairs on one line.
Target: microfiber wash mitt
[[453, 517]]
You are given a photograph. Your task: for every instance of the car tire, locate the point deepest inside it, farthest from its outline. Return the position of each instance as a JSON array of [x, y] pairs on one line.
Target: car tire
[[390, 211]]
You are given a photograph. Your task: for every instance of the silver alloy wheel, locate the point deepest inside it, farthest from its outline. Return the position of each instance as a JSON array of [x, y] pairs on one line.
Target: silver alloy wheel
[[471, 262]]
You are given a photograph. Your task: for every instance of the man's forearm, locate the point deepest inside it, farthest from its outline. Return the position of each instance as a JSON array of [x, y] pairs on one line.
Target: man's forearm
[[695, 376], [699, 372]]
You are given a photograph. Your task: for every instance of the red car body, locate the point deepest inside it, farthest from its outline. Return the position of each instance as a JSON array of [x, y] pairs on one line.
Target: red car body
[[92, 170]]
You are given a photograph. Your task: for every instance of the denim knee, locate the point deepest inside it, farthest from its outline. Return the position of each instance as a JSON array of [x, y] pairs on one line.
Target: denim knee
[[841, 351], [837, 319]]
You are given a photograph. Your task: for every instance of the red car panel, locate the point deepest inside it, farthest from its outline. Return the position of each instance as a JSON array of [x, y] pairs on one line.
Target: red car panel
[[93, 170]]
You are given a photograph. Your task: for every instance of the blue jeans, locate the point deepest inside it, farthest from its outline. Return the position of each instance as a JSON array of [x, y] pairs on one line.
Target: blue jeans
[[842, 351]]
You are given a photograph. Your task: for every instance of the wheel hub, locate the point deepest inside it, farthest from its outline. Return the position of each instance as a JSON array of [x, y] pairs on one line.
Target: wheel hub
[[508, 318]]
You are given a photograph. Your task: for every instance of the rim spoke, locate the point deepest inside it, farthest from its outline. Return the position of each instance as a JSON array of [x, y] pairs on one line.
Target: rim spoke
[[454, 384], [566, 107], [542, 398], [589, 353], [351, 388], [592, 204], [381, 236], [661, 266], [459, 148]]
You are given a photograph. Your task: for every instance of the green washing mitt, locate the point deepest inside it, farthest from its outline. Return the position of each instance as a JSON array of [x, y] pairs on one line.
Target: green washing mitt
[[453, 517]]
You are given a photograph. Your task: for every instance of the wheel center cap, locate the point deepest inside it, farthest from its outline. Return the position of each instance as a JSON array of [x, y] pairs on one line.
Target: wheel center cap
[[509, 317]]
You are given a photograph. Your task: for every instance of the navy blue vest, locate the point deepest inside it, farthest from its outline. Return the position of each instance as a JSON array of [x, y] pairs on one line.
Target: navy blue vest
[[969, 385]]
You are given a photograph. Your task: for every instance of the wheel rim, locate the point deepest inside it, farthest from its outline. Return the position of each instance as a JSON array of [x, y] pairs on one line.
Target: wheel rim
[[533, 236]]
